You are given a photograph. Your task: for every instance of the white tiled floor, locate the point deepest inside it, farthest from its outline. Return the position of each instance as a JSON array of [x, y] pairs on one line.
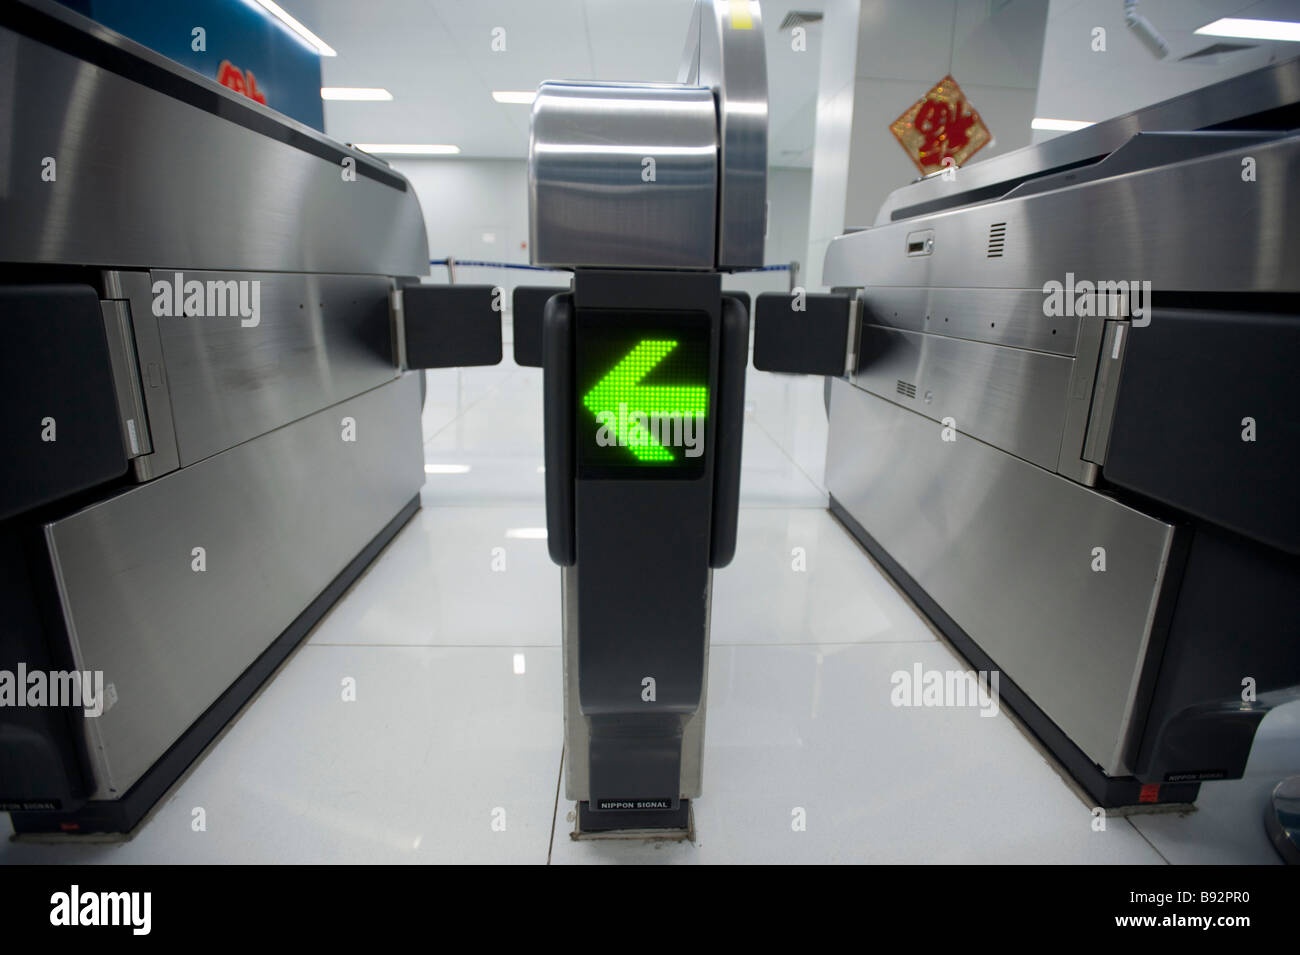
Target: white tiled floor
[[449, 754]]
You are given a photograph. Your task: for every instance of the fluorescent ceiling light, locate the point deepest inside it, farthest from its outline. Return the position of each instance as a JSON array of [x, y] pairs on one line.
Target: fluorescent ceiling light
[[1253, 29], [527, 533], [519, 664], [1061, 125], [523, 97], [407, 149], [446, 469], [298, 30], [355, 93]]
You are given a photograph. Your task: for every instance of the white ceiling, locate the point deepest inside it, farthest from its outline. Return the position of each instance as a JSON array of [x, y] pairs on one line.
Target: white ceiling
[[981, 42], [436, 58], [1077, 83]]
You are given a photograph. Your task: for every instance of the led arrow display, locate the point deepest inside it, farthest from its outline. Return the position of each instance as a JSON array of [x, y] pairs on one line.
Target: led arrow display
[[648, 419]]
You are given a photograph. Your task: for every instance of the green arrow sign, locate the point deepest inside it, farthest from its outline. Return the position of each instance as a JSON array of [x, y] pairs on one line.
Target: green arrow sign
[[625, 406]]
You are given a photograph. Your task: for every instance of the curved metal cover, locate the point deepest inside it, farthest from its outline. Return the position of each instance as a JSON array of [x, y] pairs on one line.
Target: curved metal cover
[[622, 175], [725, 52]]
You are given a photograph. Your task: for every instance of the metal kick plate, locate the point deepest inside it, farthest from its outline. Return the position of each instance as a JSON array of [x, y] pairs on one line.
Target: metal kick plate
[[576, 735], [277, 517], [1007, 550]]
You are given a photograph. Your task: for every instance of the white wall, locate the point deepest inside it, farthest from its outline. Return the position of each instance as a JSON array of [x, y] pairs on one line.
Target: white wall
[[476, 209], [1078, 82], [787, 233], [832, 133], [881, 56], [467, 200], [992, 50]]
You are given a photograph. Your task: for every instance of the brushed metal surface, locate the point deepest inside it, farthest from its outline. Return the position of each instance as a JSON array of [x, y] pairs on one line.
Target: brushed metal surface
[[1005, 549], [1002, 316], [318, 339], [1109, 371], [725, 52], [1009, 397], [1235, 236], [1083, 375], [1271, 86], [591, 201], [145, 180], [576, 733], [279, 517], [133, 289], [126, 377]]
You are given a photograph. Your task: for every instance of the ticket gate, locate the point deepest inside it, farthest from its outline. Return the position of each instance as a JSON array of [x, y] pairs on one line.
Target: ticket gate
[[194, 372], [648, 193]]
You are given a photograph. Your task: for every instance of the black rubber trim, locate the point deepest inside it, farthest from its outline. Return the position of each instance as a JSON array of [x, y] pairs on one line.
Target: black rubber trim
[[557, 427], [124, 814], [984, 193], [56, 33], [733, 356], [1108, 792], [744, 299]]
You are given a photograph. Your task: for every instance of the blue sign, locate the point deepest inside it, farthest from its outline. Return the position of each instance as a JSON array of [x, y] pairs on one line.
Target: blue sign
[[240, 46]]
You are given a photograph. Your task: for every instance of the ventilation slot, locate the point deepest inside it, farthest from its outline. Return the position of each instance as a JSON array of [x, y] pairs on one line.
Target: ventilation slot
[[906, 388], [997, 238], [797, 18]]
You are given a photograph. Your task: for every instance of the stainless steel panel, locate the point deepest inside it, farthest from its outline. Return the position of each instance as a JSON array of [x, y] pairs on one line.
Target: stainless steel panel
[[1005, 549], [133, 288], [279, 517], [1263, 89], [318, 339], [145, 180], [1011, 316], [126, 377], [576, 735], [589, 199], [1083, 375], [1108, 377], [1234, 236], [725, 52], [1012, 398]]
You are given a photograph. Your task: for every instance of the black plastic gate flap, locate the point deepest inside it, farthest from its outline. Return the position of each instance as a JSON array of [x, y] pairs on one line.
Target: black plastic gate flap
[[60, 429], [452, 326], [528, 304], [1206, 420], [801, 333]]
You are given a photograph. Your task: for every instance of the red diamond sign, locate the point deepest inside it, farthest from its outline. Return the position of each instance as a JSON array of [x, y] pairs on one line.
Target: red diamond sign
[[943, 124]]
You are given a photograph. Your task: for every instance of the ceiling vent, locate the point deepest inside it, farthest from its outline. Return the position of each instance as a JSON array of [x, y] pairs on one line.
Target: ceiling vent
[[796, 18]]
